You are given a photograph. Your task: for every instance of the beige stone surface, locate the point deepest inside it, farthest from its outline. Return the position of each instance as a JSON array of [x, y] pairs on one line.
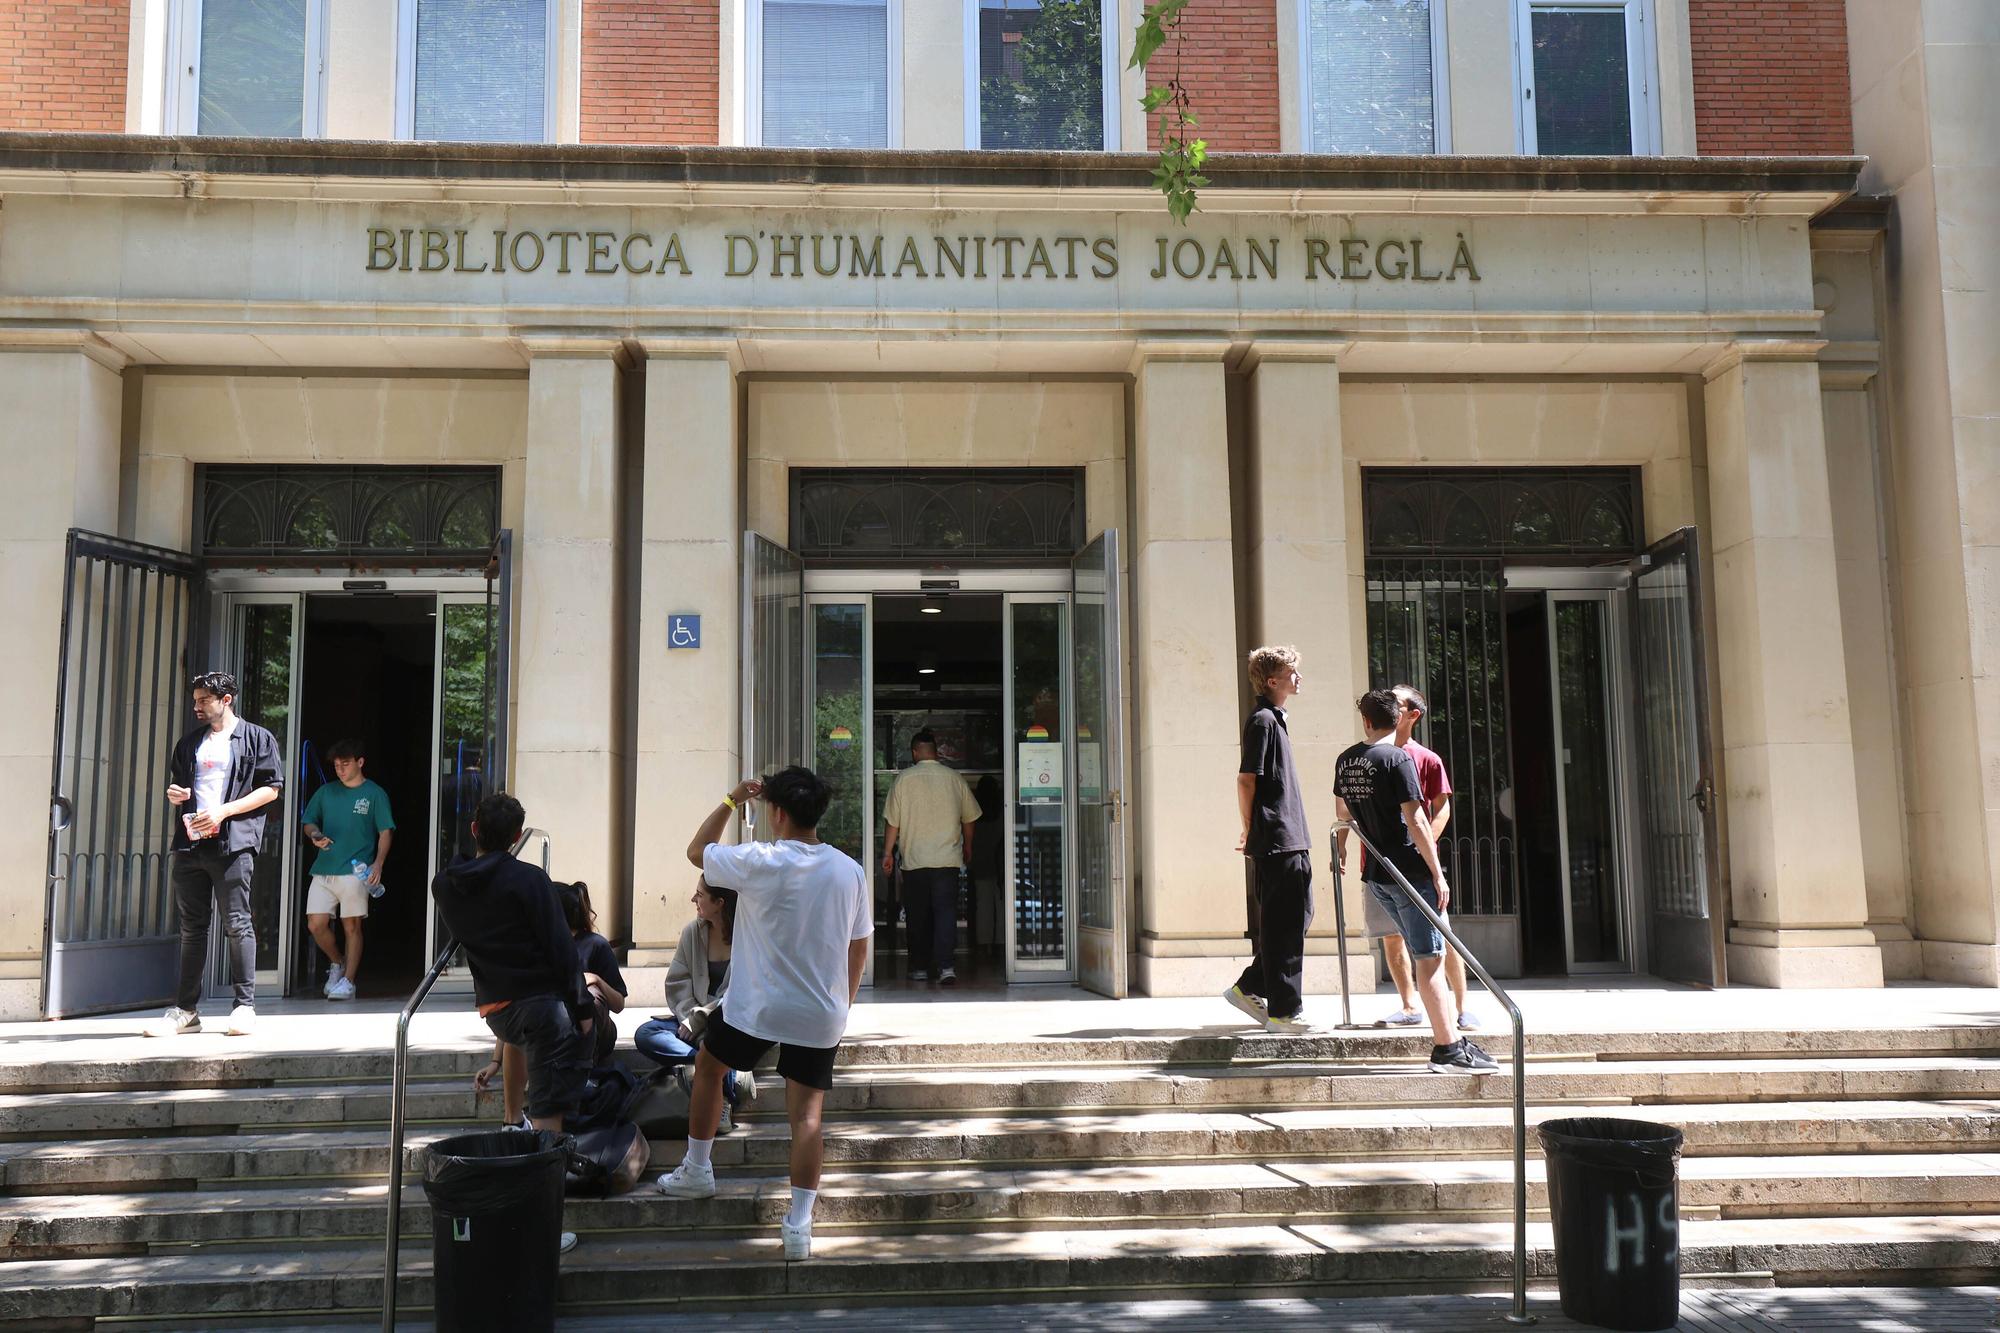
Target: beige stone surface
[[1483, 111], [66, 406], [934, 91], [689, 699], [361, 70], [569, 732]]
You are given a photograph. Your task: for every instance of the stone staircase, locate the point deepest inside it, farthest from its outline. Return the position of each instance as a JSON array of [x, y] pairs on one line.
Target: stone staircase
[[244, 1186]]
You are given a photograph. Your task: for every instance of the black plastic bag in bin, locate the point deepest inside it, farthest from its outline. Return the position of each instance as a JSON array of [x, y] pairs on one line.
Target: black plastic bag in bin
[[1614, 1197], [496, 1228]]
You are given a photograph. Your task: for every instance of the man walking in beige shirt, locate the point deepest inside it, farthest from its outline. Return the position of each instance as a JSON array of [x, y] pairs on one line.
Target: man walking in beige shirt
[[930, 812]]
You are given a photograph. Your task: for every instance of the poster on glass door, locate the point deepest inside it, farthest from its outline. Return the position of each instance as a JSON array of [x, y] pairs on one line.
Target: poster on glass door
[[1039, 771]]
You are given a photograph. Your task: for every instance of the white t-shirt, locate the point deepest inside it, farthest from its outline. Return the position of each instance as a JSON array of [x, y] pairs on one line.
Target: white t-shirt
[[799, 906], [211, 769]]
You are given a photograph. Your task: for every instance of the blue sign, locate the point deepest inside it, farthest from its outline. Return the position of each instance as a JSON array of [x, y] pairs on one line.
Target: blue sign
[[683, 631]]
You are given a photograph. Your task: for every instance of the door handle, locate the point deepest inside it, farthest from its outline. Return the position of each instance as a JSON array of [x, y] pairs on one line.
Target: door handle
[[61, 813], [1700, 797]]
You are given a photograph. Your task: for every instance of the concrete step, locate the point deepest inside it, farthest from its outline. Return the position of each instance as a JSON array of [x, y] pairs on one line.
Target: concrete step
[[218, 1109], [744, 1273], [1327, 1133], [210, 1059], [1191, 1195]]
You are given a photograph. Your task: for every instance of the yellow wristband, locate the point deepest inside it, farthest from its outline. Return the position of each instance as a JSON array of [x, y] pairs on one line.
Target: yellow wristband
[[729, 801]]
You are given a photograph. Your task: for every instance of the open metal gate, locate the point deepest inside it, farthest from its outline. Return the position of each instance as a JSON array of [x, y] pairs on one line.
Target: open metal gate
[[111, 939]]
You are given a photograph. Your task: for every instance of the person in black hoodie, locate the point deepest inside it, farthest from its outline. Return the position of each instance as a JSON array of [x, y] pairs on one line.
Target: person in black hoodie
[[525, 976]]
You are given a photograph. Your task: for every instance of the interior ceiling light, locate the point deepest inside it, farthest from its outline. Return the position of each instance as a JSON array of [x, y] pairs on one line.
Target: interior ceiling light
[[927, 664], [933, 606]]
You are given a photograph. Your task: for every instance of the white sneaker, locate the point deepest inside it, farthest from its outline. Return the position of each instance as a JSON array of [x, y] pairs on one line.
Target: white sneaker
[[688, 1181], [334, 977], [798, 1240], [919, 974], [175, 1022], [746, 1086], [566, 1243], [1289, 1023], [242, 1021], [1251, 1006], [340, 990]]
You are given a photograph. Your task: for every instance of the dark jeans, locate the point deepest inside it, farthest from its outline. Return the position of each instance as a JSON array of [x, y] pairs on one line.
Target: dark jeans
[[662, 1041], [207, 880], [556, 1054], [931, 899], [1284, 910]]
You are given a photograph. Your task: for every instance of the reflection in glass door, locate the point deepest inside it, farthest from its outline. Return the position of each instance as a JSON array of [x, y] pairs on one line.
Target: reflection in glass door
[[467, 728], [839, 726], [262, 649], [1583, 681], [1038, 782]]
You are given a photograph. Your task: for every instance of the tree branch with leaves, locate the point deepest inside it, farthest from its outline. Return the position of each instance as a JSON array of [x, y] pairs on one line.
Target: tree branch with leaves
[[1178, 175]]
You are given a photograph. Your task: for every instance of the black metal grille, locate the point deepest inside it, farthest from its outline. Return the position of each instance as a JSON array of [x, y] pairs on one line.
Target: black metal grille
[[951, 515], [1438, 624], [309, 513], [1554, 514]]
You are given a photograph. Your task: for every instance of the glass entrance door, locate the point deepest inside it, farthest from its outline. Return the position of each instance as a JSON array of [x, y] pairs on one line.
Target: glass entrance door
[[840, 726], [1038, 786], [264, 635], [1096, 686], [1584, 680]]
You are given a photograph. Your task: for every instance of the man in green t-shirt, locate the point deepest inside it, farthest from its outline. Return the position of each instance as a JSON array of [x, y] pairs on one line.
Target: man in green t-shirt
[[349, 822]]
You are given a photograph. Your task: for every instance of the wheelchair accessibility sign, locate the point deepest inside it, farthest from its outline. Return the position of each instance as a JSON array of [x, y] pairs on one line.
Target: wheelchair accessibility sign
[[683, 631]]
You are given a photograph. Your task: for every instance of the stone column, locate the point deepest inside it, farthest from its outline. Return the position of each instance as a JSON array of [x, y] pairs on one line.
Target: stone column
[[1185, 670], [1799, 899], [1299, 580], [691, 534], [63, 393], [569, 737]]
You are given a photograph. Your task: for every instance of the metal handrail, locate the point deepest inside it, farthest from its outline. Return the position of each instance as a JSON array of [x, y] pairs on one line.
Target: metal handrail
[[1520, 1313], [392, 1242]]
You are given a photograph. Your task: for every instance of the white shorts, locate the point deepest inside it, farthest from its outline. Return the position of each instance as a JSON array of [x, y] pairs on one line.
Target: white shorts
[[345, 891]]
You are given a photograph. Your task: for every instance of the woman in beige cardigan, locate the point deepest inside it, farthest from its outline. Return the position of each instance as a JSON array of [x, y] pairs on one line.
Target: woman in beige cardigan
[[696, 980]]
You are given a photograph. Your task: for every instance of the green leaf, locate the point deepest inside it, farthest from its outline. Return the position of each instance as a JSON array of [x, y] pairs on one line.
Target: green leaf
[[1156, 98], [1146, 39]]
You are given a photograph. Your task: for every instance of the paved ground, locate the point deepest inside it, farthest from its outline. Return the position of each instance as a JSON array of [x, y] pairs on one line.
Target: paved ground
[[1855, 1310], [1027, 1012]]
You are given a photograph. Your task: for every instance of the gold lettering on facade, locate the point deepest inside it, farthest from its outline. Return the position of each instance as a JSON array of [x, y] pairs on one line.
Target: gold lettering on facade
[[946, 256], [1353, 251], [1417, 262], [1462, 258], [1316, 248], [1382, 260], [781, 251], [514, 251], [500, 251], [820, 266], [405, 265], [1223, 255], [381, 249], [673, 256], [1183, 247], [600, 252], [458, 264], [865, 264], [437, 252], [734, 269], [625, 253], [562, 251], [1106, 251], [1159, 264], [1069, 245], [910, 259], [1005, 245], [1039, 254]]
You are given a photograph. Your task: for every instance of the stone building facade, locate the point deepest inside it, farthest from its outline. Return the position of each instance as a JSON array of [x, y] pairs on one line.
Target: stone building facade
[[616, 470]]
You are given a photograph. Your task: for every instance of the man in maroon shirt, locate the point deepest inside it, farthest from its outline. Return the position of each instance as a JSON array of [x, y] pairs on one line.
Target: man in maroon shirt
[[1435, 785]]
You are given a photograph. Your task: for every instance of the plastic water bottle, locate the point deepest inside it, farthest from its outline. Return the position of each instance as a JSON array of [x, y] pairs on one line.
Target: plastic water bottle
[[361, 872]]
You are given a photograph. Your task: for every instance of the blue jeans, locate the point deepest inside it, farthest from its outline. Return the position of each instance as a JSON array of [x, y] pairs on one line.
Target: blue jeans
[[661, 1041], [1419, 935]]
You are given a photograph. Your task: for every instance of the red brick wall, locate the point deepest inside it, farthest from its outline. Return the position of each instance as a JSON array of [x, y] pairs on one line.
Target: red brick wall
[[650, 71], [62, 65], [1230, 69], [1770, 76]]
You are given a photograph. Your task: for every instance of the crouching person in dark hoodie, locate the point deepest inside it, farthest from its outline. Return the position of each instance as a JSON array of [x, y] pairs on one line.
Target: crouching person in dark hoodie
[[525, 976]]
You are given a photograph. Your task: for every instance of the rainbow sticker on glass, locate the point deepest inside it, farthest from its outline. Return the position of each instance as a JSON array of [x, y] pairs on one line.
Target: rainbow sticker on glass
[[1038, 732], [840, 738]]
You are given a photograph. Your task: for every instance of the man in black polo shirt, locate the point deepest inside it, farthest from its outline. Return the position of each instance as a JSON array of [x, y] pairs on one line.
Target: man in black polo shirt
[[1375, 786], [1274, 837]]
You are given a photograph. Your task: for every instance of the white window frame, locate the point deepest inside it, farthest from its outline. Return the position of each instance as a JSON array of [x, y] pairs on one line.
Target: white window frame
[[753, 67], [1440, 79], [1643, 76], [182, 114], [406, 67], [1108, 30]]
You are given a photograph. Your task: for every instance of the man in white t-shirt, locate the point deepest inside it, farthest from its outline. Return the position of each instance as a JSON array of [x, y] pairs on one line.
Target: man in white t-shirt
[[801, 939]]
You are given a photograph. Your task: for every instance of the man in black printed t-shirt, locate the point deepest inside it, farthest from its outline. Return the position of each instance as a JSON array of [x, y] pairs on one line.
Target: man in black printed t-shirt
[[1375, 785]]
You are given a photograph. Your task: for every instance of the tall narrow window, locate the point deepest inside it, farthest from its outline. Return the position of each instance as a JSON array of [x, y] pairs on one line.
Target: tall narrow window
[[1586, 84], [823, 73], [247, 67], [1372, 74], [476, 71], [1040, 71]]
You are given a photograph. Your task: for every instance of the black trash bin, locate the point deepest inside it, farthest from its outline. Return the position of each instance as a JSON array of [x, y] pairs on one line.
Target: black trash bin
[[496, 1228], [1614, 1196]]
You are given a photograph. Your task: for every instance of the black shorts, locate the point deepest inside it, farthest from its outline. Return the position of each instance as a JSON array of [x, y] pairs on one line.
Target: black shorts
[[556, 1055], [809, 1066]]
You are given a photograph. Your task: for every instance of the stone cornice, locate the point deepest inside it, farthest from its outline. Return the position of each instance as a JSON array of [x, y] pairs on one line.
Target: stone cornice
[[116, 164]]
